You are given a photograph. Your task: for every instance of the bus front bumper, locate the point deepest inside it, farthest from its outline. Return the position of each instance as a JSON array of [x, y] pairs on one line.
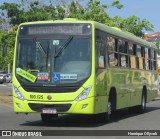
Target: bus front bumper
[[68, 107]]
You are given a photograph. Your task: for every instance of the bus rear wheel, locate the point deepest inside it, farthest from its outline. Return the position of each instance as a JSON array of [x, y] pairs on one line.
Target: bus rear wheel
[[48, 117], [142, 108], [109, 110]]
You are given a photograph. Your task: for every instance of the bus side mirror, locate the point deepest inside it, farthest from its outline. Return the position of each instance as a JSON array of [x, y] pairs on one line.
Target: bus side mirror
[[4, 51]]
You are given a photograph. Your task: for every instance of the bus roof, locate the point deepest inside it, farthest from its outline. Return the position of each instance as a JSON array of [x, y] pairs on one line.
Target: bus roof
[[111, 30], [124, 34]]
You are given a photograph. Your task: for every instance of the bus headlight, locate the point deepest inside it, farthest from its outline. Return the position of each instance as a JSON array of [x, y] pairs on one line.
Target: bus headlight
[[18, 93], [84, 94]]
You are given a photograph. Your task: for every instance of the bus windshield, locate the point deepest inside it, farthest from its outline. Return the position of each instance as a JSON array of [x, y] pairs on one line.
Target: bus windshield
[[54, 60]]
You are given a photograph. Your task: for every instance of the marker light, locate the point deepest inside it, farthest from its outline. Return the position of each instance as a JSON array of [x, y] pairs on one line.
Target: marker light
[[84, 94], [18, 93]]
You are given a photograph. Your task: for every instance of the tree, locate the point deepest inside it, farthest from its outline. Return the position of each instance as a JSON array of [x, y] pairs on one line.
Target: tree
[[96, 12], [12, 12], [75, 10], [35, 11], [7, 38], [1, 44], [133, 24]]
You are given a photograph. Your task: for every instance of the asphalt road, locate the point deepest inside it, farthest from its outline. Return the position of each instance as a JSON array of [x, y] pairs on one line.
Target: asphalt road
[[6, 89], [122, 120]]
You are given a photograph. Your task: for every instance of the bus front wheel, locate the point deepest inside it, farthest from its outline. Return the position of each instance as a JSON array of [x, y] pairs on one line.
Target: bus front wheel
[[105, 117]]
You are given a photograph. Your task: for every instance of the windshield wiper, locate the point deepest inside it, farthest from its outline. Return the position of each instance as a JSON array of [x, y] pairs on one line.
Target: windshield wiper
[[62, 47], [39, 45]]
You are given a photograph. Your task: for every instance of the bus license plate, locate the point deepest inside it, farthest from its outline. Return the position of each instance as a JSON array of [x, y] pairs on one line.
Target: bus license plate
[[49, 111]]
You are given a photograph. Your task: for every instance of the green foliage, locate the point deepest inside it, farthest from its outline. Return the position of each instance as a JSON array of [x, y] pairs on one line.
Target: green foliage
[[7, 38], [133, 24], [1, 43], [76, 10], [117, 4], [96, 12], [36, 11]]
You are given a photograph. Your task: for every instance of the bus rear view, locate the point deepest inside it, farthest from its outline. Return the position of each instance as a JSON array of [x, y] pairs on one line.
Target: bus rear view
[[52, 69]]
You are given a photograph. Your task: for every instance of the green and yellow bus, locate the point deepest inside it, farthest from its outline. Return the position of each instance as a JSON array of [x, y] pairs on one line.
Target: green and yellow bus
[[81, 67]]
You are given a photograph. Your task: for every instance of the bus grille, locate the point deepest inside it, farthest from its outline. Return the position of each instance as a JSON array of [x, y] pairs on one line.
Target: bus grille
[[58, 107], [50, 89]]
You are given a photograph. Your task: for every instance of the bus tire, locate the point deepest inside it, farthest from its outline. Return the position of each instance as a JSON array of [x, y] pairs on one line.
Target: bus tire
[[110, 109], [142, 108], [48, 117], [106, 117]]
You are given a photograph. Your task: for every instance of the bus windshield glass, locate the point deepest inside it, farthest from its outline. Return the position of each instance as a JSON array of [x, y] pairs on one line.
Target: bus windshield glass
[[55, 59]]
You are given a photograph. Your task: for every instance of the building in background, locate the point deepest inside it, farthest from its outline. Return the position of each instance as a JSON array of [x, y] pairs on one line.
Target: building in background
[[155, 38]]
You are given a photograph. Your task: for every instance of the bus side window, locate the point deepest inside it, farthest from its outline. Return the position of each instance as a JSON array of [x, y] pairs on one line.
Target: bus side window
[[143, 57], [146, 59], [123, 61], [100, 49], [100, 57], [113, 59], [140, 54], [140, 62], [111, 44], [146, 53], [134, 49], [102, 53], [122, 46], [146, 64], [133, 61], [153, 60], [138, 51], [135, 54], [130, 48], [112, 51], [142, 51], [149, 60]]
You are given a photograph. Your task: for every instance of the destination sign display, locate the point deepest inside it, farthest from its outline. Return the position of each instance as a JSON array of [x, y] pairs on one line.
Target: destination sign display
[[48, 29], [55, 29]]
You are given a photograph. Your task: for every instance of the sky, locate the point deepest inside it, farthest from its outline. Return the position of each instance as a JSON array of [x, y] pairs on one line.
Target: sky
[[148, 9], [144, 9]]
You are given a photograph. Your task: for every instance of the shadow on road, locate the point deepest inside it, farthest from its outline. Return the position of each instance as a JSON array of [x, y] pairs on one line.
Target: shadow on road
[[85, 120]]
